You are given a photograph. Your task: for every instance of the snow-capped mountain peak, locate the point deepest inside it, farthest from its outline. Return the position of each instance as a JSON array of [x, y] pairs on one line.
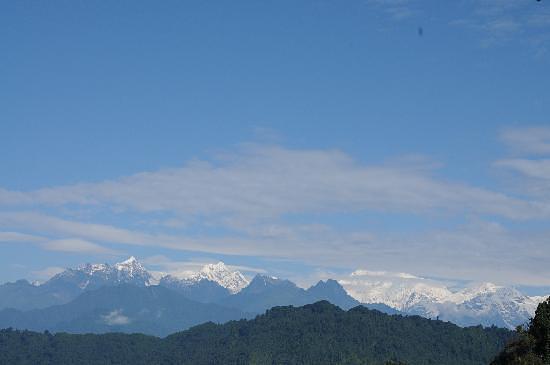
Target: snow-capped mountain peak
[[473, 291], [91, 276], [132, 271], [130, 261], [132, 266], [232, 280]]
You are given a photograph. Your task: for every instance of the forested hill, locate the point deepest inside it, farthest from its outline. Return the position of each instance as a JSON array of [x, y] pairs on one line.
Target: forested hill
[[319, 333]]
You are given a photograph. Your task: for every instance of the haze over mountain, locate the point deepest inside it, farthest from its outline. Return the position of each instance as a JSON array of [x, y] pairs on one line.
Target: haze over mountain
[[154, 310]]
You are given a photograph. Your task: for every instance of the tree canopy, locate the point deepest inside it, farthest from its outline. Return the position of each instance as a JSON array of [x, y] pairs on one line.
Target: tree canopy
[[319, 333], [532, 345]]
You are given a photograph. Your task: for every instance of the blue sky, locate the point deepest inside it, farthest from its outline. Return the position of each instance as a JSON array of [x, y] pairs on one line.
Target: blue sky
[[305, 139]]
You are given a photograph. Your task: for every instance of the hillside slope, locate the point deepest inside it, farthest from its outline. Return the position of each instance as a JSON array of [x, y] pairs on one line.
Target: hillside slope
[[319, 333]]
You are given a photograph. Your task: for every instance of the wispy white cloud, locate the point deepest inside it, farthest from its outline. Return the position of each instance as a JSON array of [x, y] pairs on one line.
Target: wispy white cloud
[[477, 251], [46, 273], [273, 181], [537, 169], [187, 268], [383, 274], [77, 245], [19, 237], [534, 139], [115, 318], [532, 171], [482, 249], [502, 21], [494, 22], [54, 226], [532, 176], [396, 9]]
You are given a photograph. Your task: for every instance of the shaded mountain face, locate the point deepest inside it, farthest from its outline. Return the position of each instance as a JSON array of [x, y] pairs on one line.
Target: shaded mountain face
[[124, 308], [159, 310], [204, 291], [333, 292], [23, 295], [265, 292]]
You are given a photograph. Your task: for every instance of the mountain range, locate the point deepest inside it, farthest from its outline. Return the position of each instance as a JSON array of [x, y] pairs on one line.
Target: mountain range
[[482, 303], [126, 297]]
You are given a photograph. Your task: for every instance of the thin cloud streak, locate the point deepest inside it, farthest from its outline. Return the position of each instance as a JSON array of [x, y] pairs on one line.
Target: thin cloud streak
[[536, 169], [186, 268], [77, 245], [273, 181], [527, 140], [478, 251]]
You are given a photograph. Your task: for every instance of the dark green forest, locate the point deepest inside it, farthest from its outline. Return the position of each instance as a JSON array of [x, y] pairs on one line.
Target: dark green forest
[[319, 333]]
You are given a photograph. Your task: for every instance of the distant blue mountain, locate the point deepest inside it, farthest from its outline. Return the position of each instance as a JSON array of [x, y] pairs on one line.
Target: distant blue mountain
[[124, 308], [332, 291], [204, 291], [265, 292], [69, 284]]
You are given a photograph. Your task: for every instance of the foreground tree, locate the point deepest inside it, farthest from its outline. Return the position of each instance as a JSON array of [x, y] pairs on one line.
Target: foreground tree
[[532, 346]]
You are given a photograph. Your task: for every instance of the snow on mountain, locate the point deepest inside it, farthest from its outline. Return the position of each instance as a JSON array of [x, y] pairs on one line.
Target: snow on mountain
[[482, 303], [503, 306], [397, 290], [472, 291], [539, 298], [131, 270], [219, 273], [91, 276]]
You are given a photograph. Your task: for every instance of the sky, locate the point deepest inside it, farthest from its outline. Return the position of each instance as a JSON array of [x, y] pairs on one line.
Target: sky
[[305, 139]]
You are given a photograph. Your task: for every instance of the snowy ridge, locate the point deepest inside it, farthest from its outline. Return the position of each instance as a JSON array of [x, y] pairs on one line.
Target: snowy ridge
[[397, 290], [131, 271], [482, 303], [233, 281], [89, 276], [219, 273]]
